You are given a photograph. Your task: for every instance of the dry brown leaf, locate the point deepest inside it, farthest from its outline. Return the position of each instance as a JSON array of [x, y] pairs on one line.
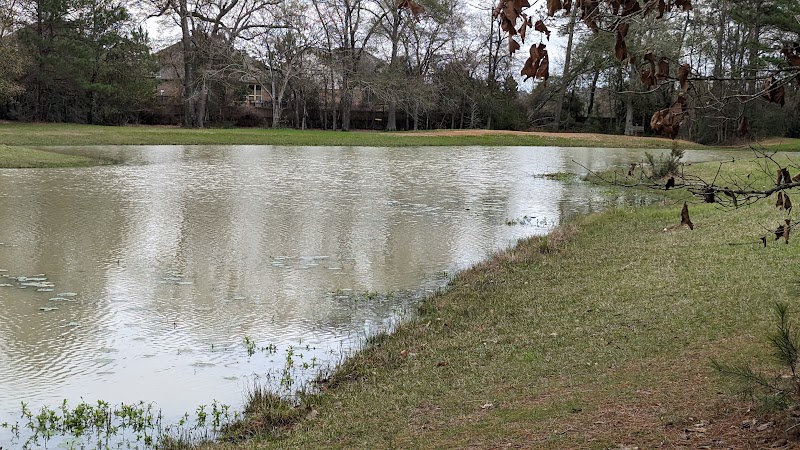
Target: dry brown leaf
[[683, 76], [663, 69], [542, 28], [685, 216]]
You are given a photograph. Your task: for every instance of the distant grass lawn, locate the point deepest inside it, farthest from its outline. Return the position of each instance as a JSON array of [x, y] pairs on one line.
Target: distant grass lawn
[[24, 134]]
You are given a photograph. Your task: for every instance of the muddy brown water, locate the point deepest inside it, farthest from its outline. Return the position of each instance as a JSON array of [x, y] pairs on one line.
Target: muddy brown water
[[172, 258]]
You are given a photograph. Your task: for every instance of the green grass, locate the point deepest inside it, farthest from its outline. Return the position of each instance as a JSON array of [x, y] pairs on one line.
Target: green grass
[[21, 157], [598, 336], [783, 144], [25, 134]]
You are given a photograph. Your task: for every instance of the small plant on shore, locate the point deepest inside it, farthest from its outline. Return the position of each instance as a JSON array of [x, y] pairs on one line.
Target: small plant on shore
[[265, 412], [662, 166], [782, 390]]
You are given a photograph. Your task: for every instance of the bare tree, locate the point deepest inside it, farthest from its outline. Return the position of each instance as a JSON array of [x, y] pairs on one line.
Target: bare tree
[[349, 27], [281, 53], [209, 30]]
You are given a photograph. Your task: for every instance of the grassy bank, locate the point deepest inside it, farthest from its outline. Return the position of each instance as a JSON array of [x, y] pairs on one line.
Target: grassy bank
[[70, 134], [598, 336], [21, 157]]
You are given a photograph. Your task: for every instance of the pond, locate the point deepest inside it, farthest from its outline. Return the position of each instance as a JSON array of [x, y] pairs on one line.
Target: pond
[[187, 272]]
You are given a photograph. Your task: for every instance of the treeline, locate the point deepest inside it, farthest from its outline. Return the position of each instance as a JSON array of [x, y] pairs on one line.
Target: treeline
[[342, 64]]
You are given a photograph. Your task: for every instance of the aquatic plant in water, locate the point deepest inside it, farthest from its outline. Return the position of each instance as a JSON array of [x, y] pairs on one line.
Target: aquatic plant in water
[[103, 426]]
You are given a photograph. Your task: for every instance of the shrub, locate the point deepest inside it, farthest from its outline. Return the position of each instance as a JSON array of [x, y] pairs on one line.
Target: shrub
[[776, 392], [662, 166]]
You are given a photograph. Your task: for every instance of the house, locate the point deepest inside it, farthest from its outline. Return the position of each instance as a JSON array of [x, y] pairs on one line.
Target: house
[[233, 96], [239, 98]]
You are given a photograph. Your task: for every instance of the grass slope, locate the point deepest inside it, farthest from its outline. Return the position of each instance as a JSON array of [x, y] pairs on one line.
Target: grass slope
[[21, 157], [597, 336]]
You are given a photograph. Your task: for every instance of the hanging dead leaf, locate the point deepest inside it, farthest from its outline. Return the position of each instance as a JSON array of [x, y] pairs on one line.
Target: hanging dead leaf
[[553, 6], [543, 72], [590, 11], [685, 4], [709, 195], [786, 229], [793, 59], [415, 8], [668, 121], [522, 31], [779, 231], [662, 6], [622, 29], [685, 216], [620, 48], [683, 76], [630, 7], [774, 91], [744, 126], [648, 76], [663, 69], [540, 27], [533, 67]]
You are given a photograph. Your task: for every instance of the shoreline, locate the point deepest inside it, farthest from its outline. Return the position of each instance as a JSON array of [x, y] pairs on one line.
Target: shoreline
[[599, 335], [579, 339]]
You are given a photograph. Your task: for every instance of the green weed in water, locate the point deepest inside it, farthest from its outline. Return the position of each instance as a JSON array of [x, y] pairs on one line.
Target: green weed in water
[[104, 426]]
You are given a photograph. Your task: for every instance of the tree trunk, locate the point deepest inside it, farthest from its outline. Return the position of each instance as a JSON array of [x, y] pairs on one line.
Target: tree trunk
[[592, 92], [202, 101], [472, 115], [188, 80], [92, 106], [565, 80], [391, 117], [347, 105], [628, 115], [296, 110]]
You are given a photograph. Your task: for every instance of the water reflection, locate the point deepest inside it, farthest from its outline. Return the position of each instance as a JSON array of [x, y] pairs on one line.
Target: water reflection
[[181, 252]]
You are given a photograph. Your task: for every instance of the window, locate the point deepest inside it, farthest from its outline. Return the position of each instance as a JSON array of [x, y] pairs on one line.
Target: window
[[254, 94]]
